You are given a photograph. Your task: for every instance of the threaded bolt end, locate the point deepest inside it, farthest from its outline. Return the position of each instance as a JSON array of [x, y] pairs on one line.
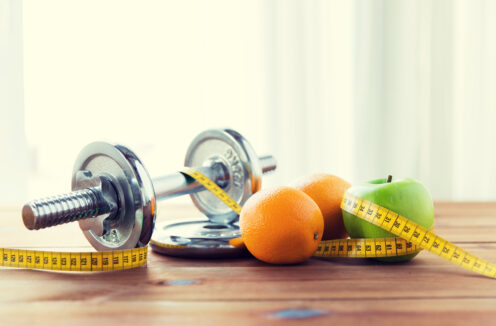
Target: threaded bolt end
[[51, 211]]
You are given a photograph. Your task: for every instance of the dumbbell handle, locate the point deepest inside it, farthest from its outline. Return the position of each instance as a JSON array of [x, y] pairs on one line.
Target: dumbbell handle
[[94, 201], [178, 184]]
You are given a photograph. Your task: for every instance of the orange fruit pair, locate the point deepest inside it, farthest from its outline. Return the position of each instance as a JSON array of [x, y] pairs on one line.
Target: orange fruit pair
[[285, 225]]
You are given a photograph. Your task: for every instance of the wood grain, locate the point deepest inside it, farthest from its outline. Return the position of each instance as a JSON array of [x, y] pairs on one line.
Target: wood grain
[[427, 290]]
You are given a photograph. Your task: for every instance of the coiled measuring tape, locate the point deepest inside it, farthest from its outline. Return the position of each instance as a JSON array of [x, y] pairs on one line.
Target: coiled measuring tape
[[411, 237], [100, 261]]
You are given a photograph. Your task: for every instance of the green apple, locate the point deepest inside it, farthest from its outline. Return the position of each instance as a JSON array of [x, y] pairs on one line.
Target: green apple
[[406, 197]]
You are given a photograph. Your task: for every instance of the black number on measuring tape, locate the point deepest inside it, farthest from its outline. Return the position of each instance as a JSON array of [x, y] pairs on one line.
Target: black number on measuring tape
[[349, 248], [416, 234], [115, 260], [445, 250], [435, 244], [37, 259], [54, 260], [387, 219], [63, 261], [378, 247], [358, 247], [133, 258], [21, 259], [341, 248], [399, 246], [125, 259], [105, 261], [73, 261], [368, 248], [389, 246], [45, 261], [12, 258], [406, 229], [362, 208], [378, 215], [84, 261]]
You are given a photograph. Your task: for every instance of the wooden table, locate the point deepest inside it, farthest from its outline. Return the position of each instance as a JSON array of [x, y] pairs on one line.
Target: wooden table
[[425, 291]]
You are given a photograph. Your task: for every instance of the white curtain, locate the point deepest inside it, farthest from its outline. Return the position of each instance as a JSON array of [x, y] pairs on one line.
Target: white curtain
[[364, 89], [13, 152], [358, 88]]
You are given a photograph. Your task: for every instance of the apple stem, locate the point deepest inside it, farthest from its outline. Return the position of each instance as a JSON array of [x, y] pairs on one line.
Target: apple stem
[[389, 178]]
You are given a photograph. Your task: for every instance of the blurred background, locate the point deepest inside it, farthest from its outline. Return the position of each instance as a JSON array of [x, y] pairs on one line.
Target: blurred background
[[360, 89]]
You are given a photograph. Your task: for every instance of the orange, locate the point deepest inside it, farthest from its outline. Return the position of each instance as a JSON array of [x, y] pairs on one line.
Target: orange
[[281, 226], [327, 191]]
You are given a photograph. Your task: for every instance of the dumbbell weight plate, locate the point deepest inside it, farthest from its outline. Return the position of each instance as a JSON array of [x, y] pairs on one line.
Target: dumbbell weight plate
[[196, 238], [134, 188], [243, 170]]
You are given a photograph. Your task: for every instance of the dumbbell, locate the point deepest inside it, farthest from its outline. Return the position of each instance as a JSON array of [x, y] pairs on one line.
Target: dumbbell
[[114, 198]]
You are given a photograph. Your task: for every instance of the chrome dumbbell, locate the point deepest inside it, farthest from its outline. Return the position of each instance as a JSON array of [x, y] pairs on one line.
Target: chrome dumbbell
[[114, 199]]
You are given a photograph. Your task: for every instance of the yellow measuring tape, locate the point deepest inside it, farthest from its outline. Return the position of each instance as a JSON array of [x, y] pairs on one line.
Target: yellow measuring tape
[[410, 231], [100, 261], [213, 188], [411, 237], [366, 248]]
